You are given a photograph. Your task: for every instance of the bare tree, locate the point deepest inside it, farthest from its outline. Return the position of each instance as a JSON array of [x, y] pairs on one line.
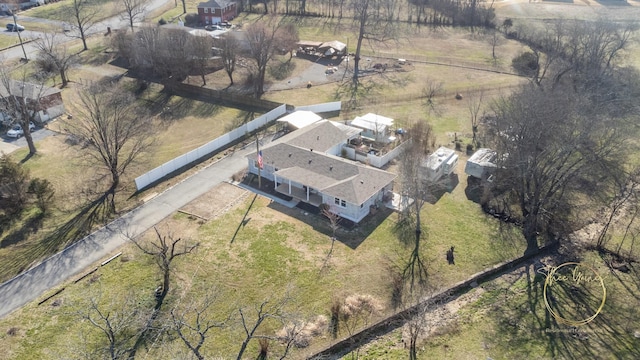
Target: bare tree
[[423, 314], [267, 310], [553, 145], [415, 187], [164, 250], [265, 39], [375, 23], [475, 99], [84, 14], [118, 322], [200, 50], [430, 92], [288, 39], [133, 11], [21, 100], [625, 196], [113, 129], [494, 38], [334, 223], [54, 56], [193, 323], [229, 54]]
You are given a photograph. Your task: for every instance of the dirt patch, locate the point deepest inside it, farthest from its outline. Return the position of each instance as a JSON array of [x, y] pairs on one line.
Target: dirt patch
[[216, 202]]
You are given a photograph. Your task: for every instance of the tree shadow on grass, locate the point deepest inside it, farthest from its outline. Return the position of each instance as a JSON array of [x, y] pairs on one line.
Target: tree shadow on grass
[[523, 320], [66, 234], [31, 225]]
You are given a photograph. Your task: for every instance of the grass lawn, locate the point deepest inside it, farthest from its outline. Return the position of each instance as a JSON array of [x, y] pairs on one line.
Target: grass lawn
[[507, 319], [8, 40], [278, 248], [59, 10]]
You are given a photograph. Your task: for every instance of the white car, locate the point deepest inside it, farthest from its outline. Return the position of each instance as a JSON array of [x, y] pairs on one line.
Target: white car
[[16, 131]]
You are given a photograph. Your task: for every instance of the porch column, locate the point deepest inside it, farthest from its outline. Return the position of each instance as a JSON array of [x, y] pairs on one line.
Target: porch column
[[275, 181], [307, 194], [289, 186]]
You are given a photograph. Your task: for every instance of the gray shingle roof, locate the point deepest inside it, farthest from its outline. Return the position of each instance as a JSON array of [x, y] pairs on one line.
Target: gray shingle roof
[[332, 175], [320, 136], [27, 90]]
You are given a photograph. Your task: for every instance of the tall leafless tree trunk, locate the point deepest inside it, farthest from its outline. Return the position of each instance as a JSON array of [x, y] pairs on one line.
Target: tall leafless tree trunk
[[114, 130], [229, 55], [133, 11], [164, 249], [54, 56], [415, 187], [474, 104], [21, 100], [193, 323], [84, 14]]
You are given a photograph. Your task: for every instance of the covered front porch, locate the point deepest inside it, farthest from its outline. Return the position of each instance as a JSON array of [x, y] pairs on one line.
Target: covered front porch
[[302, 194]]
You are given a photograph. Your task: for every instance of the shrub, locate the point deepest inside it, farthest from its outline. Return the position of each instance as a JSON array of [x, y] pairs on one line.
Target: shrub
[[469, 148], [43, 191], [525, 63], [162, 21], [191, 19]]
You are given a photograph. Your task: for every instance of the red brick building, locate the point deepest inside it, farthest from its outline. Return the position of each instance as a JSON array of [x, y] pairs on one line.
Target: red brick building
[[216, 11]]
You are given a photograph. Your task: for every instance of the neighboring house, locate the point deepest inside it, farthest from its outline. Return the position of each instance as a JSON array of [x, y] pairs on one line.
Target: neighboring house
[[374, 127], [45, 101], [216, 11], [304, 165], [439, 164], [481, 164]]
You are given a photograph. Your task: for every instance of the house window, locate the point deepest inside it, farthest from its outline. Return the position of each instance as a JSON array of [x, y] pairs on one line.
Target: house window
[[340, 202], [206, 10]]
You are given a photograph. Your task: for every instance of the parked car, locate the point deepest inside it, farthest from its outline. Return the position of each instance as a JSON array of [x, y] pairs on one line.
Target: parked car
[[15, 27], [16, 131], [213, 27]]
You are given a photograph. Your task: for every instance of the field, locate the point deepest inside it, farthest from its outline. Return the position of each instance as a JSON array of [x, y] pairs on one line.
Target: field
[[252, 249]]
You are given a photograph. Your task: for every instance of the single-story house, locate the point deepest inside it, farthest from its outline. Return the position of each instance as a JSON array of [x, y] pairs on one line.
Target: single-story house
[[303, 164], [217, 11], [440, 163], [482, 164], [45, 101], [374, 127]]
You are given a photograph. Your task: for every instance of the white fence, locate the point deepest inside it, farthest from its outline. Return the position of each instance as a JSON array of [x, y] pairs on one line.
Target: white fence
[[194, 155], [380, 161], [321, 108]]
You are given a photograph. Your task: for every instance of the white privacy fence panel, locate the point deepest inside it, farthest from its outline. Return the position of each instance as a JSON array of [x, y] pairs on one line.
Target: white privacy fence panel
[[320, 108], [194, 155]]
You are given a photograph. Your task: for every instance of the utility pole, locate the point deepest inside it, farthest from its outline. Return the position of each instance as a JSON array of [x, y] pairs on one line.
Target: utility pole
[[15, 28]]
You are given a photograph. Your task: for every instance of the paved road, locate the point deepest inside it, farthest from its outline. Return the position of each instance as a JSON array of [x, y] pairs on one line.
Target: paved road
[[115, 22], [31, 284]]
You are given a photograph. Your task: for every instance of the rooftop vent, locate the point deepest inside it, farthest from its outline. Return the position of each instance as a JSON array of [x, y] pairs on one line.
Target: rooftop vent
[[309, 161], [330, 168], [289, 154]]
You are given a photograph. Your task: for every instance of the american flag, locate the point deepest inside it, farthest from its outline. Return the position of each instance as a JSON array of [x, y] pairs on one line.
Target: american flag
[[260, 163]]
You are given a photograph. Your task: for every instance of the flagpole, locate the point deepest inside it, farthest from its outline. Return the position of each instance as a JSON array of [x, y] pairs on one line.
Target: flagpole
[[259, 168]]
